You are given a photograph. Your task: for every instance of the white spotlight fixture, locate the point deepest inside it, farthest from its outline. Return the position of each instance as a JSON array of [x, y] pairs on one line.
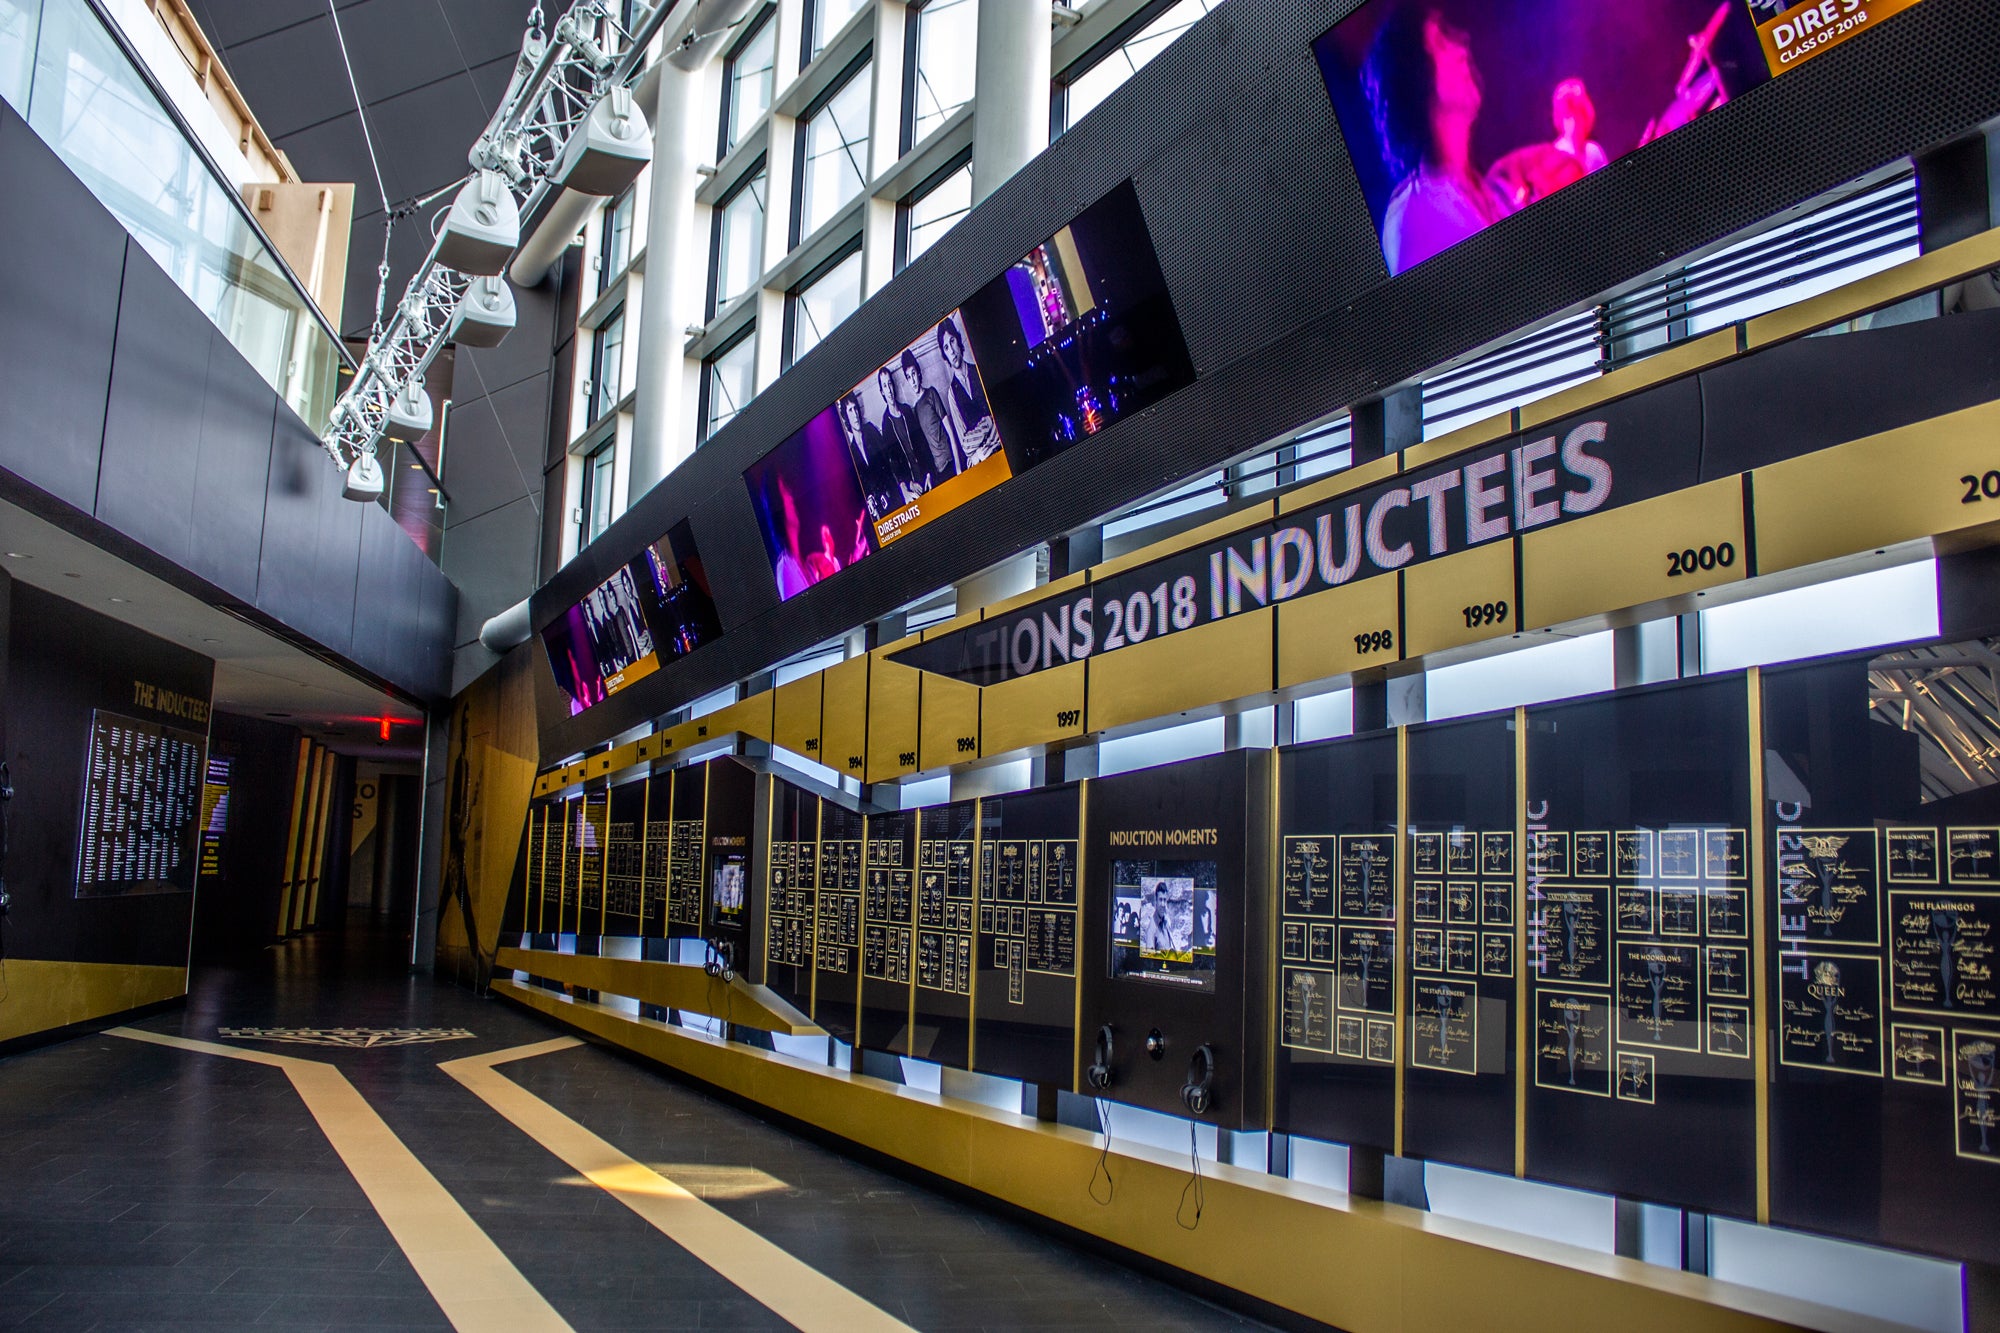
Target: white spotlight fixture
[[410, 415], [364, 477], [483, 227], [486, 316], [610, 149]]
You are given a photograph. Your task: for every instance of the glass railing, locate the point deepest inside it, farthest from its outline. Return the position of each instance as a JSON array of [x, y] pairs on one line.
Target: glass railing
[[70, 75]]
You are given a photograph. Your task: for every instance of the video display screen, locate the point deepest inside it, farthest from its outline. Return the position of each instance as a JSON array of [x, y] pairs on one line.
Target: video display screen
[[1079, 333], [1163, 922], [1458, 113], [1076, 335], [726, 881], [652, 611]]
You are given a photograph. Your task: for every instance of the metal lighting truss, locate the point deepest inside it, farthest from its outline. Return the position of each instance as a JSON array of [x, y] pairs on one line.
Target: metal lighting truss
[[557, 83]]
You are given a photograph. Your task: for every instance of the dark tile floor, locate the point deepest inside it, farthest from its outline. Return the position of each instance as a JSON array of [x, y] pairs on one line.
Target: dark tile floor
[[146, 1187]]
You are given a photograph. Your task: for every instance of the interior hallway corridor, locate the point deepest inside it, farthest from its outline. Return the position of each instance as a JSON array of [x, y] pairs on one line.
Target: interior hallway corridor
[[297, 1157]]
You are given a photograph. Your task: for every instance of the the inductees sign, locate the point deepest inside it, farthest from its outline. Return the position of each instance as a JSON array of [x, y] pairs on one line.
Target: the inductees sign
[[1803, 31], [1486, 495]]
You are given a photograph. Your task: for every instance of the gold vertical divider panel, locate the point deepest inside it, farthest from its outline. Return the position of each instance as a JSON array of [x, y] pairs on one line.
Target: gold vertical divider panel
[[1760, 1032], [795, 716], [295, 903], [1082, 906], [562, 867], [843, 723], [314, 840], [1629, 556], [1189, 669], [1274, 1014], [1316, 633], [1400, 850], [916, 933], [322, 833], [972, 981], [861, 936], [1523, 1052], [894, 732], [819, 878], [1033, 710], [1442, 599], [767, 785], [301, 775], [947, 722]]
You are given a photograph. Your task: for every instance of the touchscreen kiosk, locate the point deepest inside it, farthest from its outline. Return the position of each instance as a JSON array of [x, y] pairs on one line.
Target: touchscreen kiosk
[[593, 827], [837, 932], [1337, 960], [1642, 1081], [1464, 934], [947, 858], [888, 913], [1030, 898], [525, 911], [1882, 880], [1178, 861], [730, 914], [791, 870]]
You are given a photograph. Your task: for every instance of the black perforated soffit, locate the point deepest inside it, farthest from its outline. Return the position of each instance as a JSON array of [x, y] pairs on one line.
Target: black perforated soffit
[[1280, 287]]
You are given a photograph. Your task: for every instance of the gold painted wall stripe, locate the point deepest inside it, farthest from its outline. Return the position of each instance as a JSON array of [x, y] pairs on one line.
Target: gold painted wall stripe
[[475, 1284], [784, 1284]]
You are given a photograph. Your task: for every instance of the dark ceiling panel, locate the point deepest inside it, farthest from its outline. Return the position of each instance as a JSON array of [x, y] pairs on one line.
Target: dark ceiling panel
[[292, 78], [227, 22], [398, 45], [424, 135], [487, 29], [493, 447]]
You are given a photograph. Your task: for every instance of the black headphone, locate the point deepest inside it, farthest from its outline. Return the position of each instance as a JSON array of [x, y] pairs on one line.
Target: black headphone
[[1098, 1075], [1197, 1094], [721, 960]]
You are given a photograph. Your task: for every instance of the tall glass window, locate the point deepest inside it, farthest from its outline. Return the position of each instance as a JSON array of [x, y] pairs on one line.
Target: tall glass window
[[936, 211], [747, 80], [1102, 79], [615, 249], [607, 356], [739, 242], [825, 19], [596, 507], [821, 304], [943, 36], [833, 154], [729, 382]]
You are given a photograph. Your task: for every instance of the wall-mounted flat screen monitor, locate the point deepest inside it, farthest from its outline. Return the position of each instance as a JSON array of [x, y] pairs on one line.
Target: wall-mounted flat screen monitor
[[1458, 113], [1079, 333], [1163, 922], [653, 610], [728, 876], [810, 507], [1076, 335]]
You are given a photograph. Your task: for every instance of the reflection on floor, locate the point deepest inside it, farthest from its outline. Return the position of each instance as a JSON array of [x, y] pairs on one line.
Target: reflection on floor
[[143, 1185]]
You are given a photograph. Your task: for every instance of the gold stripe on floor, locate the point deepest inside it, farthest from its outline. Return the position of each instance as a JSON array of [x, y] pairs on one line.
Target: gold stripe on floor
[[788, 1287], [475, 1284]]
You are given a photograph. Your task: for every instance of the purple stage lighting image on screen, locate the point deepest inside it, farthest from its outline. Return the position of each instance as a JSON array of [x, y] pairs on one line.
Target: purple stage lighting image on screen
[[810, 507], [1458, 113]]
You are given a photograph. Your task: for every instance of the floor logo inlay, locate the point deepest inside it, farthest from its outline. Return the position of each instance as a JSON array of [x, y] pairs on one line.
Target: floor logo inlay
[[357, 1038]]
